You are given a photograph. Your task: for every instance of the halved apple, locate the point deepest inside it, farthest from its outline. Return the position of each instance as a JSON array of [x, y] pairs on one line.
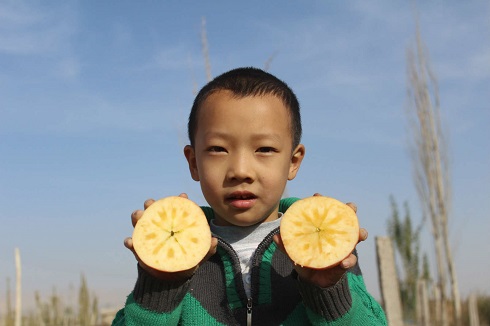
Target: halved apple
[[172, 235], [319, 232]]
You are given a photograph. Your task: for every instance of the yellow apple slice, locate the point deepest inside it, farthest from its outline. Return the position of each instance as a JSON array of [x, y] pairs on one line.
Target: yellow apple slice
[[172, 235], [319, 232]]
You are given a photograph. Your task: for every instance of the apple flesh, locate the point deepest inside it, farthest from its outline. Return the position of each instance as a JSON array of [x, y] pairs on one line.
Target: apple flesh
[[319, 232], [172, 235]]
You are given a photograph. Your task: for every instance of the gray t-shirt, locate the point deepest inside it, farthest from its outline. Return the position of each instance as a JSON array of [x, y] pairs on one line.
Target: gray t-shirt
[[245, 240]]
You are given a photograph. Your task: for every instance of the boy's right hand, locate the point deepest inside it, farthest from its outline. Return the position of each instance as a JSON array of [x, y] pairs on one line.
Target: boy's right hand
[[170, 276]]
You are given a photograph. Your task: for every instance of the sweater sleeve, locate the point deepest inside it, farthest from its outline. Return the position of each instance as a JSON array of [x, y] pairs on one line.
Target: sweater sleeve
[[286, 202], [345, 303], [153, 302]]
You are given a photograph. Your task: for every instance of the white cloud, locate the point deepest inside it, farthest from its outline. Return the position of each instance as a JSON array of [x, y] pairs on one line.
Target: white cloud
[[479, 64], [393, 15], [29, 30], [122, 34], [69, 68], [175, 57], [169, 57], [471, 66], [40, 32]]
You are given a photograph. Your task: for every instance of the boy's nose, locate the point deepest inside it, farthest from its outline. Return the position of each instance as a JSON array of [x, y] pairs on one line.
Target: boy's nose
[[241, 168]]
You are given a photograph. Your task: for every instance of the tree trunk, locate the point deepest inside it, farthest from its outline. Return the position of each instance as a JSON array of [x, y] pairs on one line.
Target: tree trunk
[[454, 283], [18, 289], [423, 314]]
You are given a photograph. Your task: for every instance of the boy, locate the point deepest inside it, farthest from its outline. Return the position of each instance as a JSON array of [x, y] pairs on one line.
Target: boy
[[244, 131]]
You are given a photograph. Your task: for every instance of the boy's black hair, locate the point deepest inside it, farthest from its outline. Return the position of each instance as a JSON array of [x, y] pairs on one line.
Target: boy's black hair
[[244, 82]]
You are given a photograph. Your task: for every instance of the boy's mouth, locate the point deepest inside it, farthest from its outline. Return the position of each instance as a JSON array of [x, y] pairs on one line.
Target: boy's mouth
[[241, 199]]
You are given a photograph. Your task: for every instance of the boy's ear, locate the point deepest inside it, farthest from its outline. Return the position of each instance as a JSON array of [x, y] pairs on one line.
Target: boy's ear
[[296, 159], [190, 155]]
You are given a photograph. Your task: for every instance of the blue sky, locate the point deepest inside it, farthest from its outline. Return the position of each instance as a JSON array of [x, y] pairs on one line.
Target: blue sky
[[94, 97]]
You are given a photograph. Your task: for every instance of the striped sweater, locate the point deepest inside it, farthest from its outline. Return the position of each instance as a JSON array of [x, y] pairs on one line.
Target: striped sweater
[[215, 294]]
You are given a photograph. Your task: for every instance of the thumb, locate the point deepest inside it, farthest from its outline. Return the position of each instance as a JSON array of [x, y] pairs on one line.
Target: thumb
[[278, 241]]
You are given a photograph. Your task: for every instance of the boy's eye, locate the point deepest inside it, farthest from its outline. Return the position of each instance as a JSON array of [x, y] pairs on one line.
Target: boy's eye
[[216, 149], [266, 150]]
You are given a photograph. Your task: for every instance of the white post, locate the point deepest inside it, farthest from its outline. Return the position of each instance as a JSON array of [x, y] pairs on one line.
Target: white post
[[473, 310], [388, 280], [423, 315]]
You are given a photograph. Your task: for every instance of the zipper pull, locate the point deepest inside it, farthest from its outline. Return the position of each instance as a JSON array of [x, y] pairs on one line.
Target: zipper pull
[[249, 312]]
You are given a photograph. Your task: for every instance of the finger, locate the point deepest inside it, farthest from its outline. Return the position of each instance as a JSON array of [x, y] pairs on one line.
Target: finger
[[148, 202], [363, 234], [353, 206], [184, 195], [214, 245], [135, 216], [349, 262], [212, 249], [128, 243]]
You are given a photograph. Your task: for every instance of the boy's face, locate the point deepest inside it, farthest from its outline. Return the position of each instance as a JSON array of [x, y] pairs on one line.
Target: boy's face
[[243, 156]]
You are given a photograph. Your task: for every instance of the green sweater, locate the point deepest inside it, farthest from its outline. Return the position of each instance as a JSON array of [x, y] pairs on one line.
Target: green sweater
[[215, 294]]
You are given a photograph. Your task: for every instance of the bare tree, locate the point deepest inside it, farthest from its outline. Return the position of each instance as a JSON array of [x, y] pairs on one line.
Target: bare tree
[[431, 168], [269, 60], [205, 49]]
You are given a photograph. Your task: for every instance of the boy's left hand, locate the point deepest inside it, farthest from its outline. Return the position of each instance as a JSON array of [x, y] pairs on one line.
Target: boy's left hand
[[328, 276]]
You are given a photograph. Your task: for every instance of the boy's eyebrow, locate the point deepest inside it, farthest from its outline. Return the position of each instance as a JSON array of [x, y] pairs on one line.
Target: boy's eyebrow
[[257, 136], [267, 136]]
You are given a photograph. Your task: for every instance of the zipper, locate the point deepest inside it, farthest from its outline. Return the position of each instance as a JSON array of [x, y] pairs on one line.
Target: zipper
[[254, 259], [265, 242], [249, 312], [234, 255]]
